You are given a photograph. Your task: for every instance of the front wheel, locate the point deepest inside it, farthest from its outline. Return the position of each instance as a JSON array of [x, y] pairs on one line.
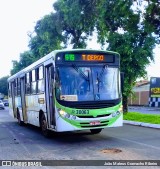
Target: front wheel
[[44, 129], [95, 131]]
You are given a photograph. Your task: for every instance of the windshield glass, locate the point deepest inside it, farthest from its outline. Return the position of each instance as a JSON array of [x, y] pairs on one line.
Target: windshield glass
[[76, 83]]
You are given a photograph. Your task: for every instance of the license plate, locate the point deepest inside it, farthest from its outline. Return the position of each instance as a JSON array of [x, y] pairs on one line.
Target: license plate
[[94, 123]]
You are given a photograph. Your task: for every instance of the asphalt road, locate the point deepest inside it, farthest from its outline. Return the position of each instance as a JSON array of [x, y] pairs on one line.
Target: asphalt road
[[144, 110], [123, 143]]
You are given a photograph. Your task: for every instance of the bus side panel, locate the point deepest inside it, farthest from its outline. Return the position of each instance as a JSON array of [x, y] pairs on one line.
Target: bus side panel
[[35, 104], [11, 107]]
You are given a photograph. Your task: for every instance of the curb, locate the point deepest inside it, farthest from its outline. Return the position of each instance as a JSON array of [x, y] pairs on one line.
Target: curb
[[157, 126]]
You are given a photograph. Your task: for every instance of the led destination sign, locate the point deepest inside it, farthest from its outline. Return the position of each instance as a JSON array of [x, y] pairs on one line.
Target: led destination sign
[[93, 57], [89, 57]]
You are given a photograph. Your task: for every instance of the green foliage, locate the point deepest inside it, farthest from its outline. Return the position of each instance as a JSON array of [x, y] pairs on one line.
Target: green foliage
[[48, 36], [125, 25], [152, 17], [124, 31], [76, 19], [139, 117], [26, 59], [3, 85]]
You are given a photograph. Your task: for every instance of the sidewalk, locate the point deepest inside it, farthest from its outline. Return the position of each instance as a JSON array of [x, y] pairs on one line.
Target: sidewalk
[[157, 126]]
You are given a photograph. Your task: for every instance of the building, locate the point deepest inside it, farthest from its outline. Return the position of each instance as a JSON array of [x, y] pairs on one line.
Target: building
[[154, 96], [141, 94]]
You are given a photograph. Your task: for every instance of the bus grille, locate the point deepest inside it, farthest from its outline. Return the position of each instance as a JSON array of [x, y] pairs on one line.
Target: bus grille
[[94, 106], [101, 115]]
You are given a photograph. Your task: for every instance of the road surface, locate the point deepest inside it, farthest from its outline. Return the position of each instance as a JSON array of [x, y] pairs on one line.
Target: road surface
[[123, 143]]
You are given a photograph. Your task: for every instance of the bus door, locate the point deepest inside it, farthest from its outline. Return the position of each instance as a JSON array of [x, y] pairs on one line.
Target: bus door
[[13, 98], [49, 71], [22, 82]]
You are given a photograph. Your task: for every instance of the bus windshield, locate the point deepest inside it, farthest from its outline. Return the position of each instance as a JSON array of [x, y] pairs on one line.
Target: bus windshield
[[90, 83]]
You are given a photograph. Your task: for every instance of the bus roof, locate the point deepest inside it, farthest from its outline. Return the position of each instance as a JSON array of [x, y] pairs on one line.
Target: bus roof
[[51, 55]]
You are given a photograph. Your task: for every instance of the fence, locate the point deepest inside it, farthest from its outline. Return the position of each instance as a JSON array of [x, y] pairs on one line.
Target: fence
[[140, 98]]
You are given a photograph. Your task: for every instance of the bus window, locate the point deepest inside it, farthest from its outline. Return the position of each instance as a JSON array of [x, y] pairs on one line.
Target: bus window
[[18, 87], [33, 83], [40, 72], [28, 87], [15, 87], [40, 79]]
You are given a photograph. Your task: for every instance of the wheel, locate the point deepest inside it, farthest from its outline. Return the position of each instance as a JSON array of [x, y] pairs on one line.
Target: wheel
[[95, 131], [43, 124], [20, 122]]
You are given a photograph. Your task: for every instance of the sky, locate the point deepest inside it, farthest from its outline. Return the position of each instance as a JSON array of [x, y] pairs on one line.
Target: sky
[[18, 18]]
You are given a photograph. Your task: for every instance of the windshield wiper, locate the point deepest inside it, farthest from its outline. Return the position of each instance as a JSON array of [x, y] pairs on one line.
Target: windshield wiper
[[100, 75], [81, 73]]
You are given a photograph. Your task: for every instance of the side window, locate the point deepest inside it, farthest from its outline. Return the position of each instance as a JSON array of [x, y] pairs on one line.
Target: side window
[[33, 83], [9, 89], [18, 87], [40, 79], [15, 86], [27, 85]]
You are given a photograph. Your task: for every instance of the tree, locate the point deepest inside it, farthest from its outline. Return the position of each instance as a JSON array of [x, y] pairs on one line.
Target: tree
[[48, 36], [124, 31], [152, 17], [76, 20], [119, 24], [123, 25], [3, 85], [26, 58]]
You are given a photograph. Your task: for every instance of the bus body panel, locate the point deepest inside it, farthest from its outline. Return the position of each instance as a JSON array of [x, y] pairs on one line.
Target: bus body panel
[[63, 125], [95, 118], [35, 104]]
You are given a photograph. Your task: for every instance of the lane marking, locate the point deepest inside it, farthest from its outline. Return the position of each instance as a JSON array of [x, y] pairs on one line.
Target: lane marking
[[143, 144]]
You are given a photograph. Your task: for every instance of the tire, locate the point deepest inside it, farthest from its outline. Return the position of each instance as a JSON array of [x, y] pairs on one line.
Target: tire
[[43, 124], [20, 122], [95, 131]]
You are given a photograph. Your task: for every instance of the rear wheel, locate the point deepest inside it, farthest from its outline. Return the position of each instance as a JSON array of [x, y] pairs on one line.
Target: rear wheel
[[44, 124], [95, 131]]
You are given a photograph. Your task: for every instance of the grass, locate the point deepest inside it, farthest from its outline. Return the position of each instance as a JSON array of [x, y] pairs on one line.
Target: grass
[[139, 117]]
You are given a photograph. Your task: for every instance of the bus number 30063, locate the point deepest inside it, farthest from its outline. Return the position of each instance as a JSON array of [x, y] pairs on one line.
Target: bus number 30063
[[82, 112]]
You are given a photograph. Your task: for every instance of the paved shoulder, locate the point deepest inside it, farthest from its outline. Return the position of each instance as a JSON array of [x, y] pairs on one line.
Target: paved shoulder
[[142, 124]]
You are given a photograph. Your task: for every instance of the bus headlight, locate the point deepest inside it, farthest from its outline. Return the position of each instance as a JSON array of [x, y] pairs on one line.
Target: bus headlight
[[115, 114], [73, 117], [64, 114]]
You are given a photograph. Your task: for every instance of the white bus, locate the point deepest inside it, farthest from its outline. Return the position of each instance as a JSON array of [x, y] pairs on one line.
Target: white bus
[[69, 90]]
